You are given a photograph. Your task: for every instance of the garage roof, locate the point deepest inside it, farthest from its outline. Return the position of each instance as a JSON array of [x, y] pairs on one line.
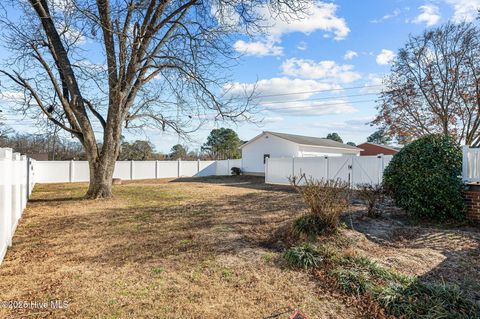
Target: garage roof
[[307, 140]]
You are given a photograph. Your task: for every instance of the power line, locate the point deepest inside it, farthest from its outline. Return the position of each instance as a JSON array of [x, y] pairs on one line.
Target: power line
[[313, 91], [304, 106], [322, 98]]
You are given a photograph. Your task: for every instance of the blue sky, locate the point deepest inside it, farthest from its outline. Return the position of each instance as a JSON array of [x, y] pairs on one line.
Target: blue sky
[[320, 74]]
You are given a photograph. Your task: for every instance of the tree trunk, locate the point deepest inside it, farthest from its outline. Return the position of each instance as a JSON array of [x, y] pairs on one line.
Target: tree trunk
[[101, 174]]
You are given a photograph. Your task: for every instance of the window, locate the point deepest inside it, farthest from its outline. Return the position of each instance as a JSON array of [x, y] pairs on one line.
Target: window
[[265, 157]]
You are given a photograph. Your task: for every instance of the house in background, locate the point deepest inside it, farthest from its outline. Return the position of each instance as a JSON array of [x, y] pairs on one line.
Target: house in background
[[376, 149], [272, 144]]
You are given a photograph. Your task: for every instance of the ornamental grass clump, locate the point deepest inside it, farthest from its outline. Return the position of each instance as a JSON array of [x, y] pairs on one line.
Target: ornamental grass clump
[[327, 200]]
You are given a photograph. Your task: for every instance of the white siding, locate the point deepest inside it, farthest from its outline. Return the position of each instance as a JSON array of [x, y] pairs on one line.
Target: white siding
[[314, 151], [252, 154]]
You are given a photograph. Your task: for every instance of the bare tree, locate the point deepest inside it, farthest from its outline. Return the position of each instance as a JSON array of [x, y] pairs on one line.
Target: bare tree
[[165, 65], [434, 86]]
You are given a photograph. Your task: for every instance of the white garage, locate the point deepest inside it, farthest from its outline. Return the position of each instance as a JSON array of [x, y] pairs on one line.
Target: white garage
[[272, 144]]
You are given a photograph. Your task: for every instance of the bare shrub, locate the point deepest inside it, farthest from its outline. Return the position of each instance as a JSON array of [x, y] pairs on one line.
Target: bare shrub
[[373, 196], [327, 199]]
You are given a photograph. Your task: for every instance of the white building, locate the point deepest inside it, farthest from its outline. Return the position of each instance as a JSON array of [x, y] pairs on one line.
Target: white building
[[272, 144]]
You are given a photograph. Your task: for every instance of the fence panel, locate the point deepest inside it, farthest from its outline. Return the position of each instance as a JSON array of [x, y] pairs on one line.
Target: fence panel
[[122, 170], [188, 168], [277, 170], [144, 169], [167, 169], [315, 167], [80, 171], [15, 187], [351, 169], [52, 171], [207, 168], [471, 165]]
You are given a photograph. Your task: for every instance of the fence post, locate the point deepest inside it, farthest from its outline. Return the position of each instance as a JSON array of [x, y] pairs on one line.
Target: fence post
[[131, 169], [179, 169], [465, 176], [156, 169], [71, 171], [198, 166], [16, 199], [326, 168], [23, 182], [228, 167], [381, 168], [293, 166], [6, 209]]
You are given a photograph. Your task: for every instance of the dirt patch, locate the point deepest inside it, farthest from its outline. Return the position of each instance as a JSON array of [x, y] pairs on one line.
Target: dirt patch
[[434, 253]]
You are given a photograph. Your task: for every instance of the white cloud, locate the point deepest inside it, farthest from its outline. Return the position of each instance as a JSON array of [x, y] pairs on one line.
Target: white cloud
[[464, 10], [287, 96], [318, 16], [429, 15], [257, 48], [388, 16], [325, 70], [385, 57], [350, 54], [302, 46]]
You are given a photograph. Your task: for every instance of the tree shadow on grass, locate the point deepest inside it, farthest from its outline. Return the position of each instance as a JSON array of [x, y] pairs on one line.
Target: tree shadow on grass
[[452, 254], [242, 181]]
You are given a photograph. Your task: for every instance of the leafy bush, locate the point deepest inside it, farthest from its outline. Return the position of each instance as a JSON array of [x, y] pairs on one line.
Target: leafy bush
[[236, 171], [423, 178], [327, 199], [305, 256], [373, 196], [309, 226]]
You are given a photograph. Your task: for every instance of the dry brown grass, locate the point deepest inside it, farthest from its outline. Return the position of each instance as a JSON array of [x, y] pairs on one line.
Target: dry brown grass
[[160, 249]]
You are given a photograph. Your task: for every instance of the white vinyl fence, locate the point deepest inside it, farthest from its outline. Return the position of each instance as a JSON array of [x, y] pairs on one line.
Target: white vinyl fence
[[471, 165], [352, 169], [16, 184], [77, 171]]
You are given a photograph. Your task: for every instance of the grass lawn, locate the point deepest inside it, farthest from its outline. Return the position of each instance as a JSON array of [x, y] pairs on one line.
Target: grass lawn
[[202, 248], [159, 249]]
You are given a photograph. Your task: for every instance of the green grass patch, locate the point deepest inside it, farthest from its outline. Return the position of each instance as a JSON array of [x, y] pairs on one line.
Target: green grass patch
[[401, 295], [304, 256]]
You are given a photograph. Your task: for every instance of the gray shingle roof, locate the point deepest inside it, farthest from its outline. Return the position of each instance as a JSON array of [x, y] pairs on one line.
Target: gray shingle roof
[[313, 141]]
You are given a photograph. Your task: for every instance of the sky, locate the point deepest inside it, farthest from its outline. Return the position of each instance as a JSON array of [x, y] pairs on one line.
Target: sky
[[321, 74]]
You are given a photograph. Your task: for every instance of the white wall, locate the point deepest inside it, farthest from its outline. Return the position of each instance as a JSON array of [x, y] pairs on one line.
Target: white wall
[[352, 169], [311, 151], [252, 154]]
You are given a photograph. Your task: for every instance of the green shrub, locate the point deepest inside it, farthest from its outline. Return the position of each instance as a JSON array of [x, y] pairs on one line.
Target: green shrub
[[305, 256], [309, 226], [423, 178], [236, 171]]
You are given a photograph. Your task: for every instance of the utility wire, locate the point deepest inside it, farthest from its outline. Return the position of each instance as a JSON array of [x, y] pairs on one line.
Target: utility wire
[[309, 92], [313, 106], [321, 98]]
